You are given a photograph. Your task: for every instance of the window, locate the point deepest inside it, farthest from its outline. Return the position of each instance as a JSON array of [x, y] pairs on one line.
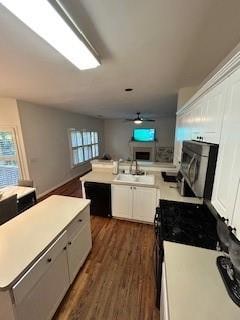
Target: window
[[10, 171], [84, 146]]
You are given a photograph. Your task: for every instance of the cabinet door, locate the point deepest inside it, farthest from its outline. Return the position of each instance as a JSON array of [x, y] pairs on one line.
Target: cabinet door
[[144, 203], [122, 201], [78, 248], [179, 137], [228, 168], [212, 113], [197, 118], [43, 299], [235, 223]]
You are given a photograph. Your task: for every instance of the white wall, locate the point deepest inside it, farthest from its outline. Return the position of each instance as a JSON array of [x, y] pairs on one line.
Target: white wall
[[117, 134], [45, 134], [9, 118]]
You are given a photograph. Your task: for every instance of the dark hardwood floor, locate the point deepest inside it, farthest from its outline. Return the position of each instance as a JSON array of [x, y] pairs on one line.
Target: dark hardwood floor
[[117, 280]]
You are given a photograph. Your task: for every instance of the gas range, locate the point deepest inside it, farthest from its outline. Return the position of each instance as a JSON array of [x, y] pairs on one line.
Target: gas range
[[187, 223]]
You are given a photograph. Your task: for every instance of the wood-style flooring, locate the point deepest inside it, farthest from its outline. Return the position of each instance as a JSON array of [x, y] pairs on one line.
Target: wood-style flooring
[[117, 280]]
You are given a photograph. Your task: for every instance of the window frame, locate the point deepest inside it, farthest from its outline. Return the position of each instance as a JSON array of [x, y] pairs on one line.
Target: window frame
[[71, 148], [17, 157]]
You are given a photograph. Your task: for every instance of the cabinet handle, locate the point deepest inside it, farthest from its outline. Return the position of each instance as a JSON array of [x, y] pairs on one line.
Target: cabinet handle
[[49, 260], [69, 243], [131, 188], [65, 248], [79, 220]]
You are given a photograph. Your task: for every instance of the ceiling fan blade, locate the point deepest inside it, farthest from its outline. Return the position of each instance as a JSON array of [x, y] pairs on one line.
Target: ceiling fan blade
[[148, 120]]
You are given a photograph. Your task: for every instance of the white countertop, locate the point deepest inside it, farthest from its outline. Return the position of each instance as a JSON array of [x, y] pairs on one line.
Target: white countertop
[[195, 288], [11, 190], [25, 237], [168, 190]]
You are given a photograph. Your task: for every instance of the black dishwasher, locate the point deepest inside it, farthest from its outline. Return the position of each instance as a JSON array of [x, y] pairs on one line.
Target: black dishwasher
[[100, 196]]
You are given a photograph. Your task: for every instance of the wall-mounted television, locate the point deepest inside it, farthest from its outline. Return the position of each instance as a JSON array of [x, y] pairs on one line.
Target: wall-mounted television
[[144, 135]]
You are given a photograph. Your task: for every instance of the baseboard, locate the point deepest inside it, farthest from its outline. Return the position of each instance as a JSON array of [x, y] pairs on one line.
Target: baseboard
[[60, 185]]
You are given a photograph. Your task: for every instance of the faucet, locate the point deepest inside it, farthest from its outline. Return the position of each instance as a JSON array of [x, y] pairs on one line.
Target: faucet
[[137, 171]]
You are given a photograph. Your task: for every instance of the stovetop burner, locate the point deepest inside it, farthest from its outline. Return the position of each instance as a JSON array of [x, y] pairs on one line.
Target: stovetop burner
[[225, 268], [189, 224]]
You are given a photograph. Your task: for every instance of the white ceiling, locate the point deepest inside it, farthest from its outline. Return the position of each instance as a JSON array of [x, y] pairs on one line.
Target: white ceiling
[[153, 46]]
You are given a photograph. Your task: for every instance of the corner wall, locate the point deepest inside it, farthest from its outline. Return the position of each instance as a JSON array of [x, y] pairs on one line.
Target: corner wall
[[45, 134]]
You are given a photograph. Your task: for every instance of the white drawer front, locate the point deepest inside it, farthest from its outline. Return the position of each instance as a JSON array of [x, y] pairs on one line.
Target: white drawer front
[[42, 300], [78, 222], [33, 275]]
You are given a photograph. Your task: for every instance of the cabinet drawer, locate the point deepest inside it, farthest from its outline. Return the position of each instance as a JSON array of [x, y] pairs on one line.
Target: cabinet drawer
[[78, 222], [33, 275]]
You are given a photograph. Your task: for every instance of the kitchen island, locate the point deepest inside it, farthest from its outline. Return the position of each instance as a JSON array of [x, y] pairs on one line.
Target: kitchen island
[[41, 252], [192, 287]]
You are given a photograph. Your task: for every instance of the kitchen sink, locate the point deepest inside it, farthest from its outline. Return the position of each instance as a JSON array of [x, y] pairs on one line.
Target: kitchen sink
[[134, 179]]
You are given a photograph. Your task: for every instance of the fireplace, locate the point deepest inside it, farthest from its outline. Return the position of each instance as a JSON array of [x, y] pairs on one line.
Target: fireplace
[[145, 151], [142, 155]]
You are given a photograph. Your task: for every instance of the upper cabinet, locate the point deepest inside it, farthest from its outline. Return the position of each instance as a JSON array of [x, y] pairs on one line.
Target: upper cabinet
[[227, 175], [202, 121], [212, 113]]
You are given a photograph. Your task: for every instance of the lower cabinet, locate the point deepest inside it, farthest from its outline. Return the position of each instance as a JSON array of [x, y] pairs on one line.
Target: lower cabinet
[[38, 293], [78, 248], [133, 202], [42, 301], [144, 204]]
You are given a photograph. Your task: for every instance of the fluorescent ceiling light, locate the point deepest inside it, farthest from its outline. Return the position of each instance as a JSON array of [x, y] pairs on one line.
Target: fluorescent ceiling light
[[42, 18], [138, 121]]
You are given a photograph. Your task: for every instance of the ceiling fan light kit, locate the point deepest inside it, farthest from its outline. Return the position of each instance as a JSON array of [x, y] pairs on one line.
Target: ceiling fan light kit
[[139, 120]]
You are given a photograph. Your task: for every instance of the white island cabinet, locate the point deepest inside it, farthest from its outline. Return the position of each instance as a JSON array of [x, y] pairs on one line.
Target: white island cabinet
[[41, 258], [134, 202]]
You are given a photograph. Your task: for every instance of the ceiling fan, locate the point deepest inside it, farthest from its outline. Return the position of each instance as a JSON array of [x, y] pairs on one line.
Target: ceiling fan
[[139, 119]]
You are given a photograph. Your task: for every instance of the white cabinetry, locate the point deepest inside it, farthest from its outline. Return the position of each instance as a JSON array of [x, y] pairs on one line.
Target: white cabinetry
[[212, 113], [236, 214], [79, 246], [144, 204], [227, 176], [38, 293], [196, 118], [183, 132], [201, 121], [133, 202], [121, 201]]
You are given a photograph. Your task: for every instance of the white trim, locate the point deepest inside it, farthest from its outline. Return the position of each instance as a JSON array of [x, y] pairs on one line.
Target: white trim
[[232, 65]]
